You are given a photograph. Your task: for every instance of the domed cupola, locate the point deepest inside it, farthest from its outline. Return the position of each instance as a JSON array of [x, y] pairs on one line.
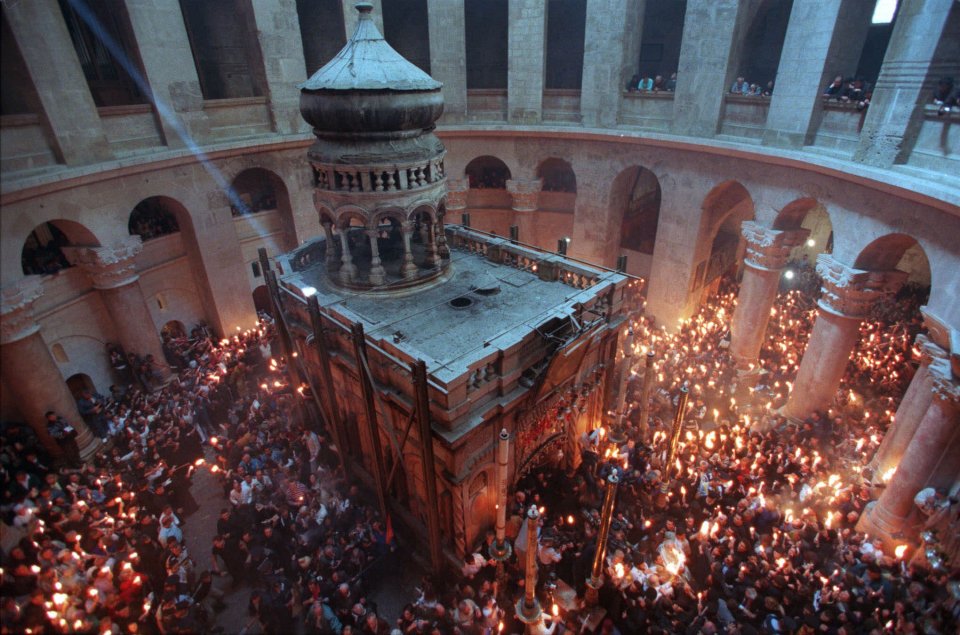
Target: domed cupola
[[378, 168]]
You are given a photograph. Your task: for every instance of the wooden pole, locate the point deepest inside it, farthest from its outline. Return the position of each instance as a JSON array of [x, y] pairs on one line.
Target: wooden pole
[[360, 353], [326, 376], [419, 371]]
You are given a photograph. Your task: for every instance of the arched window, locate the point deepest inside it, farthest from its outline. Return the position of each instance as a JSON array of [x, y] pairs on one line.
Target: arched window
[[557, 176], [256, 192], [638, 192], [41, 253], [487, 172], [151, 219]]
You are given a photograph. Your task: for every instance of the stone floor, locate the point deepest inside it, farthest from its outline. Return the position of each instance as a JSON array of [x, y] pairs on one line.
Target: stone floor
[[390, 584]]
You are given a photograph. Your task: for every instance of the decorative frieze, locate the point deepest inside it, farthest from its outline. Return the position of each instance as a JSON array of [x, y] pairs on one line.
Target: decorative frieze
[[850, 292], [110, 266], [16, 309], [770, 248]]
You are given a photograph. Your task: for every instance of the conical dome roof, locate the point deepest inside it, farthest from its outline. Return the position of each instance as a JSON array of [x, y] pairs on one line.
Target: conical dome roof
[[367, 62]]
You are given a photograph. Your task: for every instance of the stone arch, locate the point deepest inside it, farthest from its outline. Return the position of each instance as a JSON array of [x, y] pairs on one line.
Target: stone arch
[[84, 354], [347, 214], [636, 195], [419, 208], [726, 198], [557, 175], [174, 329], [40, 253], [152, 218], [487, 172], [725, 208], [261, 299], [810, 214], [897, 251], [480, 503], [390, 214], [258, 189], [78, 382]]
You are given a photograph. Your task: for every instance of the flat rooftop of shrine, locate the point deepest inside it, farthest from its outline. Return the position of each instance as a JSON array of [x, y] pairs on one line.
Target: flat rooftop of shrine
[[425, 322]]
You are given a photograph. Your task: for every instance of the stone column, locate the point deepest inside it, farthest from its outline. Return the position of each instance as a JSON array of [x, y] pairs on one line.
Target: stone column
[[824, 39], [610, 53], [281, 48], [448, 55], [377, 274], [912, 408], [330, 257], [457, 197], [524, 194], [847, 297], [890, 518], [908, 74], [527, 52], [430, 245], [30, 372], [767, 253], [713, 33], [348, 270], [41, 33], [169, 69], [113, 272], [408, 269], [442, 249]]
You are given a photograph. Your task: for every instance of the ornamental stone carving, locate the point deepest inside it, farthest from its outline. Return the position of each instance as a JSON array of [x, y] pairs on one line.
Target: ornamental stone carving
[[770, 248], [850, 292], [524, 194], [457, 194], [109, 266], [16, 309]]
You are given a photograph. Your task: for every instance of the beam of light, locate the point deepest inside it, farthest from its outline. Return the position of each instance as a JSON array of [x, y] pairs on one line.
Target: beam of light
[[165, 112]]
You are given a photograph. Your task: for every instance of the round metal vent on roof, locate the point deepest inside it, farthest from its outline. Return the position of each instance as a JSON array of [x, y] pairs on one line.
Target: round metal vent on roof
[[461, 303]]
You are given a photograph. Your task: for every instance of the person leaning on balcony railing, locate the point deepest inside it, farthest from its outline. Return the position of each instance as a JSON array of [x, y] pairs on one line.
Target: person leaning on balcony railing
[[945, 96], [835, 89], [740, 87]]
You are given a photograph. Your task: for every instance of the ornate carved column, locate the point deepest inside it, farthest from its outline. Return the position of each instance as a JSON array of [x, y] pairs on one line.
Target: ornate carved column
[[331, 255], [912, 408], [377, 274], [113, 272], [524, 199], [408, 269], [30, 372], [848, 295], [348, 270], [767, 253], [430, 245], [442, 249], [890, 518]]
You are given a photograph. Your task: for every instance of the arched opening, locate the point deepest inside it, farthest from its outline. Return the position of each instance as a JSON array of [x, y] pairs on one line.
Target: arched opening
[[79, 383], [321, 31], [660, 41], [486, 28], [406, 29], [41, 253], [725, 208], [763, 44], [261, 299], [900, 252], [152, 218], [487, 173], [261, 205], [636, 191], [566, 26], [557, 176], [173, 329], [809, 214]]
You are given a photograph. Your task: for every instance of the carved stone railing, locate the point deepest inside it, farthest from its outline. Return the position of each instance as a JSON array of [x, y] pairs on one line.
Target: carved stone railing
[[391, 178]]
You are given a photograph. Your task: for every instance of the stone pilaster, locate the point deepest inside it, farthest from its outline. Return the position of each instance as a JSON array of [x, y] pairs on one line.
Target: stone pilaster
[[448, 55], [169, 69], [281, 48], [824, 39], [44, 41], [457, 196], [908, 74], [524, 199], [610, 53], [767, 253], [527, 52], [847, 297], [891, 518], [112, 269], [908, 416], [713, 33], [30, 372]]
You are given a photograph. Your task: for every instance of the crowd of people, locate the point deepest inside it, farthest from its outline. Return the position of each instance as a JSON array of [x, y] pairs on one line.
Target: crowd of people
[[852, 90], [644, 82], [742, 87], [750, 529]]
